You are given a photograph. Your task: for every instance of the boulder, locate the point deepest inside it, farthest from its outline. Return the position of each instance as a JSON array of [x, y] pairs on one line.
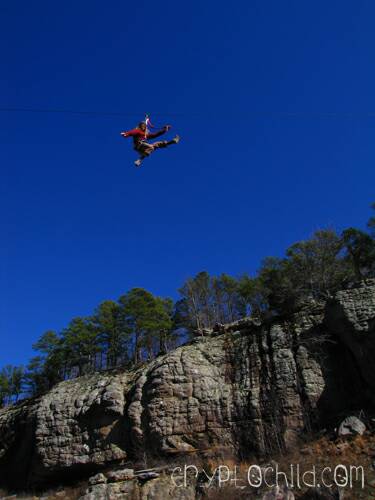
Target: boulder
[[120, 475], [351, 426], [279, 493], [97, 479], [251, 390]]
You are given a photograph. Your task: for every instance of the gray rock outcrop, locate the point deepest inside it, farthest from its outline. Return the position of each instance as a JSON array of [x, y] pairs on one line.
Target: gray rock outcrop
[[250, 389], [351, 426]]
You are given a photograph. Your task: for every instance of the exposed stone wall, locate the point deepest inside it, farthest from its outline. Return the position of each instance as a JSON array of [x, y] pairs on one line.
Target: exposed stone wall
[[246, 389]]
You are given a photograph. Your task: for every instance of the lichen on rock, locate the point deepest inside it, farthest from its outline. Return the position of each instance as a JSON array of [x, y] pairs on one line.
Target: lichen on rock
[[248, 389]]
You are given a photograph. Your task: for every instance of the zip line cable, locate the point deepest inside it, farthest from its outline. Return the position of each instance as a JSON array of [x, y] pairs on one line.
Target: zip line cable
[[66, 111], [236, 115], [81, 112]]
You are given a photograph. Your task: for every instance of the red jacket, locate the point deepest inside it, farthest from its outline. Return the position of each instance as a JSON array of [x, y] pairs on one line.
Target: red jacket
[[141, 135]]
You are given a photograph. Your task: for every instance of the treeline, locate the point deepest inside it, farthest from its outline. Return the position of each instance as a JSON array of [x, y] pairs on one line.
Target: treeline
[[312, 269], [139, 326]]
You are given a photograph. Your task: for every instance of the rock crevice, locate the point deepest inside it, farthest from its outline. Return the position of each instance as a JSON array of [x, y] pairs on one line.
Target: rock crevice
[[247, 389]]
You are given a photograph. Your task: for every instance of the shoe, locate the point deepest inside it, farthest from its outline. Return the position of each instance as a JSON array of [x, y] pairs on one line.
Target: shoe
[[138, 162], [176, 139]]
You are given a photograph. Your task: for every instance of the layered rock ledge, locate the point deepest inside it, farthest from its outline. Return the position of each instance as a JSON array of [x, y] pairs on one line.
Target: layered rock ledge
[[245, 389]]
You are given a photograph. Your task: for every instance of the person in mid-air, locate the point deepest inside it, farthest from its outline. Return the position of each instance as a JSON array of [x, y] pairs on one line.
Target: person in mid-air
[[141, 135]]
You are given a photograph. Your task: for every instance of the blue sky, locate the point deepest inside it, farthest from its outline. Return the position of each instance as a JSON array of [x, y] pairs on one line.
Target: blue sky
[[275, 105]]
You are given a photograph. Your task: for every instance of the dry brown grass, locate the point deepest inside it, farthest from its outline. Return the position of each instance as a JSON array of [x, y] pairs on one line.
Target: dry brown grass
[[323, 452]]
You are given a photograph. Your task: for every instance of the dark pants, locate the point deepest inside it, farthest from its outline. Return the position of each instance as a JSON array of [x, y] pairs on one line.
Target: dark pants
[[145, 148]]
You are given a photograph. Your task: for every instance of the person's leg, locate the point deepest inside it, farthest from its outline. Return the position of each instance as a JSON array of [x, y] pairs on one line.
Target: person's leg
[[165, 144], [138, 162], [144, 150], [175, 140], [159, 144]]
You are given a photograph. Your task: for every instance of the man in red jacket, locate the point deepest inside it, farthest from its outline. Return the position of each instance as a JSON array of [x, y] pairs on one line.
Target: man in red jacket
[[142, 146]]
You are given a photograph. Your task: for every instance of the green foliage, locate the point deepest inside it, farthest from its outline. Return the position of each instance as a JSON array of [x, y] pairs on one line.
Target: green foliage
[[135, 328], [47, 343], [227, 302], [111, 336], [140, 325], [79, 346], [312, 269], [11, 381], [360, 252], [36, 381], [274, 284], [147, 321], [371, 223], [315, 266], [168, 335], [17, 381], [44, 371], [253, 295], [4, 388]]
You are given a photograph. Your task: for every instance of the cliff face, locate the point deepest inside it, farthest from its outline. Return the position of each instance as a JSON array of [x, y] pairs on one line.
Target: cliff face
[[245, 389]]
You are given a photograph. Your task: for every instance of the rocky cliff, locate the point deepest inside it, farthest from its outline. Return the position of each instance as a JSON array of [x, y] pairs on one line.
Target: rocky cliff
[[245, 389]]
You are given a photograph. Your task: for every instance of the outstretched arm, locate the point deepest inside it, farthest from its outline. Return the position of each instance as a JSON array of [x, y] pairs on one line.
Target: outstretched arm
[[129, 133], [161, 132]]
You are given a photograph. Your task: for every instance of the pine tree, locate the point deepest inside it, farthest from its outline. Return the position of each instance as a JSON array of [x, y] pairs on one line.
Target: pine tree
[[11, 380], [80, 345], [253, 295], [148, 322], [360, 252], [109, 323], [35, 380], [371, 222], [4, 388]]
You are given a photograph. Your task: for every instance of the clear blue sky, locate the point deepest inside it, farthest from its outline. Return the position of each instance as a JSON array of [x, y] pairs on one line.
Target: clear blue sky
[[272, 99]]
